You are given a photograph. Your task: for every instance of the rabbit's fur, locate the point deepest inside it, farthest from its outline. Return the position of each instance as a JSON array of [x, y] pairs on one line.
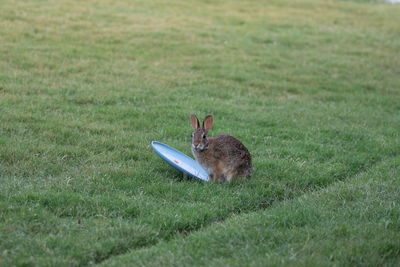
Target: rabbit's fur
[[221, 155]]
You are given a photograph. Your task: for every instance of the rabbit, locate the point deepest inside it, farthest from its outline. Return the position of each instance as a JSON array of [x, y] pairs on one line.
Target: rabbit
[[221, 155]]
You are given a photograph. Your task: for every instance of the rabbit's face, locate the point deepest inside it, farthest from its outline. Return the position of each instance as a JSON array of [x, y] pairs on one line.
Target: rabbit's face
[[199, 140]]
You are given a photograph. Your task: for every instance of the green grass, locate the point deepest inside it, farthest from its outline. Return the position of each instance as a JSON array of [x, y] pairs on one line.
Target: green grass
[[310, 87], [349, 223]]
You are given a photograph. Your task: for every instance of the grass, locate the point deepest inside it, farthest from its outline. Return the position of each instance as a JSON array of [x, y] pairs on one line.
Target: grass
[[349, 223], [310, 87]]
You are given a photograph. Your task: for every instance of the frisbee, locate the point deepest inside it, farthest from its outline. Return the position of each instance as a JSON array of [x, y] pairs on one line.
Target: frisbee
[[180, 161]]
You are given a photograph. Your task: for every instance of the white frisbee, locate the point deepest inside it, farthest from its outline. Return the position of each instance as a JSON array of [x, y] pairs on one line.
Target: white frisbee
[[180, 161]]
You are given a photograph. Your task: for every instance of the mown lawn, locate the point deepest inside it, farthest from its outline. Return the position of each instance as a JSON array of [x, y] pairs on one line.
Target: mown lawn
[[311, 87]]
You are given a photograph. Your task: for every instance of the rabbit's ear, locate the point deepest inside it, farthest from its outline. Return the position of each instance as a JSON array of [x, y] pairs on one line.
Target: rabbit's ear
[[195, 121], [207, 123]]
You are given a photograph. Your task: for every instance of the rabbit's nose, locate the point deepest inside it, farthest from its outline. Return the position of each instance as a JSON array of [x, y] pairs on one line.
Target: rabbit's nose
[[196, 146]]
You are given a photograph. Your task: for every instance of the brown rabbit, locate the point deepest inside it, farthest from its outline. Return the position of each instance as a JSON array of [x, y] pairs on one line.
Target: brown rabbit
[[221, 155]]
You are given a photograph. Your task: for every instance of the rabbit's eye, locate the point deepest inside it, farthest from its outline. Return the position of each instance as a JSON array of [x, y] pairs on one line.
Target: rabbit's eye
[[204, 136]]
